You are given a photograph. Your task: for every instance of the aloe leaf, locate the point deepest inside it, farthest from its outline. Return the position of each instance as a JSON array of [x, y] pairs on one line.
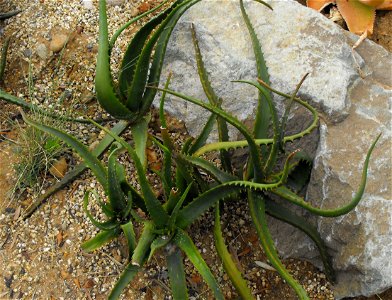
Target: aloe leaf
[[162, 117], [160, 37], [108, 225], [139, 133], [263, 115], [182, 240], [287, 111], [174, 213], [104, 86], [203, 136], [115, 192], [176, 271], [90, 159], [160, 51], [299, 174], [106, 207], [158, 242], [154, 207], [130, 236], [253, 149], [172, 200], [126, 277], [311, 109], [223, 132], [133, 51], [228, 263], [270, 163], [199, 205], [79, 169], [130, 22], [294, 198], [167, 153], [281, 213], [257, 211], [165, 175], [100, 239], [143, 247], [209, 167]]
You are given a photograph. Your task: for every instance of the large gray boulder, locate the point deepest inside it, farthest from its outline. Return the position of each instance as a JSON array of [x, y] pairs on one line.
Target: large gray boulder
[[356, 106]]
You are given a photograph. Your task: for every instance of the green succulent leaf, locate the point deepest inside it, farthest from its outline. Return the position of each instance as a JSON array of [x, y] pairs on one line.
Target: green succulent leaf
[[106, 207], [176, 270], [104, 85], [281, 213], [151, 75], [130, 236], [263, 115], [199, 205], [143, 247], [128, 65], [218, 174], [90, 159], [174, 213], [139, 133], [159, 242], [228, 263], [257, 211], [126, 277], [203, 136], [253, 149], [100, 239], [116, 174], [108, 225], [223, 131], [130, 22], [182, 240], [153, 205]]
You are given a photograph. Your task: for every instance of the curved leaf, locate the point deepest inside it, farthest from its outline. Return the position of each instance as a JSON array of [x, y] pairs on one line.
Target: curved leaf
[[228, 263], [91, 160], [177, 274], [182, 240], [104, 86], [257, 211], [100, 239], [126, 277]]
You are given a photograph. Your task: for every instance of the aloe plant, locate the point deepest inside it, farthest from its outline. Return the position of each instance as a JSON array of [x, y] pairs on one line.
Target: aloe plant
[[166, 223], [260, 180], [129, 99]]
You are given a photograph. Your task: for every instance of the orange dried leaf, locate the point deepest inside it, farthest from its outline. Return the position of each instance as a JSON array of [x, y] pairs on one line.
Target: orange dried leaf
[[318, 4], [386, 5], [77, 283], [359, 17]]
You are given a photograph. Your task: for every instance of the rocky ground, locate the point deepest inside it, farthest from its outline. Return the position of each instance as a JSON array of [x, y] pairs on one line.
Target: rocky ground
[[41, 256]]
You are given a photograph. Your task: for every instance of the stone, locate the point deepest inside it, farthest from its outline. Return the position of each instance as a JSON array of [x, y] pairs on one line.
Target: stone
[[42, 51], [355, 105], [88, 4], [58, 42], [115, 2]]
